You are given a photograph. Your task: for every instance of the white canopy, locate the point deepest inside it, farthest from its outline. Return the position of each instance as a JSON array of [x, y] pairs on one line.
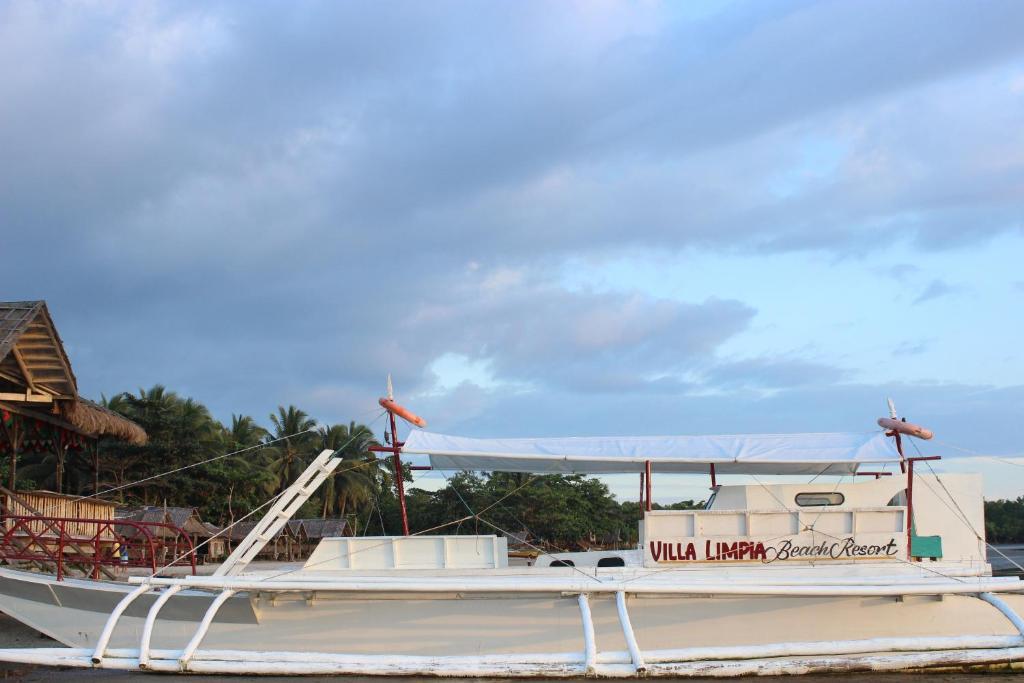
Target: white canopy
[[834, 453]]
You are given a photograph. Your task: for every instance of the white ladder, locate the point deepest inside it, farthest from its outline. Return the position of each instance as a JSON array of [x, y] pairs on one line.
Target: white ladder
[[280, 512]]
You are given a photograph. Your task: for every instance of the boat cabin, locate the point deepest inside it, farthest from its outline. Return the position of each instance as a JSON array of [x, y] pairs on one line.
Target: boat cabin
[[837, 517]]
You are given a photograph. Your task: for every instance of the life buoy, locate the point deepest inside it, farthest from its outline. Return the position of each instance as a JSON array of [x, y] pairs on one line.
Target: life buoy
[[404, 413], [902, 427]]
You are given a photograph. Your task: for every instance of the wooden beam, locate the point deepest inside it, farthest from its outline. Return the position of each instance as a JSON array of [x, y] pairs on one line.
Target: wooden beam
[[33, 347], [27, 397], [24, 369], [11, 378], [36, 357]]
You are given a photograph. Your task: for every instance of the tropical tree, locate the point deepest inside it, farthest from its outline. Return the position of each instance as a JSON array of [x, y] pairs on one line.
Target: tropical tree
[[294, 442], [242, 478], [181, 432], [357, 478]]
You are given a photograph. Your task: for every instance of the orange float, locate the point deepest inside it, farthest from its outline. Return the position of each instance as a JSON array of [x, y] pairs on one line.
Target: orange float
[[404, 413], [908, 428]]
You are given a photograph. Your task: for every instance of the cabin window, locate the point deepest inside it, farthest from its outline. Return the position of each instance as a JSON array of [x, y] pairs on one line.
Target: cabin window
[[611, 562], [817, 499], [562, 563]]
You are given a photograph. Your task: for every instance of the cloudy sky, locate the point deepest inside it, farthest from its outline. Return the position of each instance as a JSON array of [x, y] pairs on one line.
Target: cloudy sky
[[541, 218]]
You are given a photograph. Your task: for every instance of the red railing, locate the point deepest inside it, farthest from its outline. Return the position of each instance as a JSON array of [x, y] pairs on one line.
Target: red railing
[[95, 543]]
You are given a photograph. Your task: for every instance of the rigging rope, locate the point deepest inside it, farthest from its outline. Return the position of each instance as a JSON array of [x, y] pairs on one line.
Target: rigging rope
[[268, 502], [195, 464]]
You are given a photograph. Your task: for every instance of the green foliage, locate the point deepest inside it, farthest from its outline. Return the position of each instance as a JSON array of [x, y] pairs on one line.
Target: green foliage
[[1004, 521], [182, 433], [561, 512]]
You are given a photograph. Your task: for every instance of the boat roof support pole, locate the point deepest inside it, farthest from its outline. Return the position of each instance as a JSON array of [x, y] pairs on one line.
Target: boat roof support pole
[[642, 485], [647, 471], [714, 482]]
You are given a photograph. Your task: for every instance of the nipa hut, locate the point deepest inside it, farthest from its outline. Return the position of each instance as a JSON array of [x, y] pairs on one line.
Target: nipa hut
[[40, 409], [216, 543], [186, 520], [49, 504]]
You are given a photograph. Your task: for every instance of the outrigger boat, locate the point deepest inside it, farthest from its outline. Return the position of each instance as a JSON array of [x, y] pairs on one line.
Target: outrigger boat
[[873, 572]]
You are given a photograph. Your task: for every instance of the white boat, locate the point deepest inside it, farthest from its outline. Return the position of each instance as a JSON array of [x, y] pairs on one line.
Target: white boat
[[877, 573]]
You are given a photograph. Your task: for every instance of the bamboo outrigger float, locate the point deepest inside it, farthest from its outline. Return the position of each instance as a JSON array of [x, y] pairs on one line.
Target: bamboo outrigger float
[[868, 573]]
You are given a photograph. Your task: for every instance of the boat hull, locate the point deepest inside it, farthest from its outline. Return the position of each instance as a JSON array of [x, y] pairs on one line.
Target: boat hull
[[512, 633]]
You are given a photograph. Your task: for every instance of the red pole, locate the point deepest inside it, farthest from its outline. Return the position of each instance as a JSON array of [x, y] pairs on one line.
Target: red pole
[[641, 491], [714, 484], [399, 483], [60, 551], [899, 449], [647, 469], [910, 503]]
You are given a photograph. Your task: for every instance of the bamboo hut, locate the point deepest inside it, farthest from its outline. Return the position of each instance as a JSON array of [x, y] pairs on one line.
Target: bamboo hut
[[40, 409], [216, 544], [50, 504]]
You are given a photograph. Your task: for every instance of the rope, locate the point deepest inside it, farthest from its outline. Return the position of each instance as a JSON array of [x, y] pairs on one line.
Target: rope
[[250, 514], [268, 502], [962, 514], [195, 464], [476, 516]]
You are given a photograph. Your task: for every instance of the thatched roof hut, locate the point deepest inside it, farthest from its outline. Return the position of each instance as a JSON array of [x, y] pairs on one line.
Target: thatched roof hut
[[317, 529], [39, 392], [36, 377], [186, 519]]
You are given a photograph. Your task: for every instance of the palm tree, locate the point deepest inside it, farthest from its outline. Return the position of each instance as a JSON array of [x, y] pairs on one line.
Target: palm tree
[[355, 480], [292, 429], [244, 432], [243, 477]]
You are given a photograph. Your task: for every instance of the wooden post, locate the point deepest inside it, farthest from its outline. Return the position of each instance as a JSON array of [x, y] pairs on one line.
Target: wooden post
[[15, 434], [95, 455]]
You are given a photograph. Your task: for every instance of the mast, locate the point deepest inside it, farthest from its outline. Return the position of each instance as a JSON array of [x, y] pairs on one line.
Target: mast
[[395, 447]]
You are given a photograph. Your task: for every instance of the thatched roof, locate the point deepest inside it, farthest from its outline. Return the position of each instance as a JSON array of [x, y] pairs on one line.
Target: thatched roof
[[31, 351], [36, 377], [324, 528], [97, 420], [186, 519]]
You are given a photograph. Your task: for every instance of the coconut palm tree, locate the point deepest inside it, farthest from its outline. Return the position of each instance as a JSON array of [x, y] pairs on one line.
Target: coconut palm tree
[[355, 480], [294, 444], [244, 432]]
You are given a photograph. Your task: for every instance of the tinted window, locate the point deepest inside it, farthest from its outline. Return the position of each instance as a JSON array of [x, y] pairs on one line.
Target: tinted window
[[611, 562], [562, 563], [812, 499]]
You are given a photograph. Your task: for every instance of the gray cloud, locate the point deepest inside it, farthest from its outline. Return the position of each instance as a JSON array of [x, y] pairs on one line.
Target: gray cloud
[[772, 373], [912, 348], [258, 203], [936, 289]]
